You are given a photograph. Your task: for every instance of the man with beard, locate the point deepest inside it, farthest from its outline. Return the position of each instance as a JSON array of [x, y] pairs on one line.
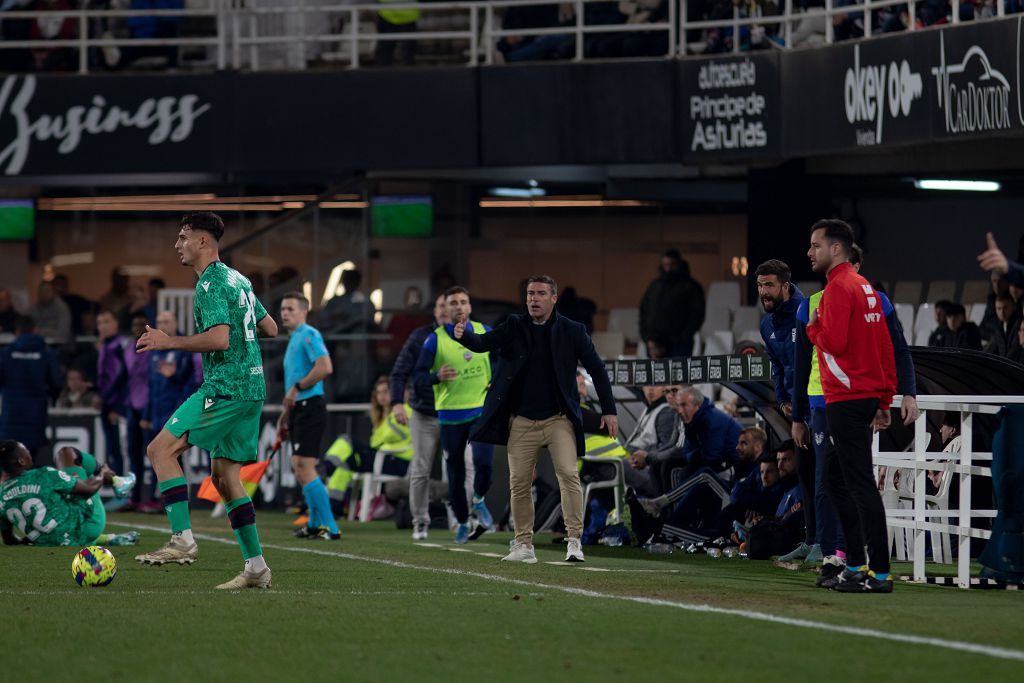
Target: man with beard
[[672, 309], [858, 375], [780, 299]]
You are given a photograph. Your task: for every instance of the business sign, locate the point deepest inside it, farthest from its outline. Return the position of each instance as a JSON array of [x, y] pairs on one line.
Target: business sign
[[695, 370], [730, 108]]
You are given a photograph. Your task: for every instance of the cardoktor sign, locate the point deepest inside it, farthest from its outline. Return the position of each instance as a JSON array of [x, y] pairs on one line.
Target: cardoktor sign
[[730, 108]]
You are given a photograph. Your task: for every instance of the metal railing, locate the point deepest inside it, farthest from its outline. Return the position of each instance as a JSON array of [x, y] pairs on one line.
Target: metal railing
[[240, 28], [920, 520]]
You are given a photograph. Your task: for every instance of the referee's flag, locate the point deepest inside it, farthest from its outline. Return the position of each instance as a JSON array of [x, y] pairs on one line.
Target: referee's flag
[[250, 476]]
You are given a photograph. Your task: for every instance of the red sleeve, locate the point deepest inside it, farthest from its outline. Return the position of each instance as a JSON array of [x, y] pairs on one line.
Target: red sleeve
[[830, 331]]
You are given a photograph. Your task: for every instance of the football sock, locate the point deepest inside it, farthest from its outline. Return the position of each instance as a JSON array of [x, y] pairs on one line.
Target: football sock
[[320, 502], [243, 520], [859, 568], [311, 506], [174, 493], [477, 499], [186, 536], [255, 564], [883, 576]]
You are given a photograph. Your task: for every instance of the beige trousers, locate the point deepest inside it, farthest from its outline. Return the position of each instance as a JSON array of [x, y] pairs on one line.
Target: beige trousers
[[526, 438]]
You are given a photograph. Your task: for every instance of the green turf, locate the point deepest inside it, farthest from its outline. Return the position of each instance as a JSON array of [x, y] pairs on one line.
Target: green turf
[[347, 619]]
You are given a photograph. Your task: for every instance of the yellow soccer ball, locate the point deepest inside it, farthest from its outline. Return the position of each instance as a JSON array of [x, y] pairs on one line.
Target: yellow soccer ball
[[94, 566]]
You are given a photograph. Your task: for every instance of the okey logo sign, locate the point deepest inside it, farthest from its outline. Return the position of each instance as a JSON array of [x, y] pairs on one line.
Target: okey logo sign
[[871, 91]]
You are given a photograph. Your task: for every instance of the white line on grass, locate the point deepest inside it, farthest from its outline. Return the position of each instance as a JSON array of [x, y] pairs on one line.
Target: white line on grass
[[961, 646]]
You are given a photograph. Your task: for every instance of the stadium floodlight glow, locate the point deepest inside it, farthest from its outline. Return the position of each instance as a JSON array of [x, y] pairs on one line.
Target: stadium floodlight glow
[[958, 185], [519, 192]]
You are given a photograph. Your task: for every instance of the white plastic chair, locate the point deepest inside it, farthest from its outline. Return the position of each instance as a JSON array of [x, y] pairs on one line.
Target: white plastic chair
[[924, 323], [609, 344], [718, 343], [373, 484], [905, 312], [718, 318], [626, 321], [618, 483], [723, 294], [977, 313], [907, 292], [746, 318], [975, 292], [939, 290]]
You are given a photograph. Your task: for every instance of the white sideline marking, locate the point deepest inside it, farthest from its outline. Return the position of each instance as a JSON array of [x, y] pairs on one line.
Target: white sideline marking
[[960, 646], [429, 545], [498, 555], [80, 591]]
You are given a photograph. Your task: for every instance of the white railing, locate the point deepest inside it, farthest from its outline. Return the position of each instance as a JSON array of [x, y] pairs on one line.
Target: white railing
[[920, 520], [240, 28]]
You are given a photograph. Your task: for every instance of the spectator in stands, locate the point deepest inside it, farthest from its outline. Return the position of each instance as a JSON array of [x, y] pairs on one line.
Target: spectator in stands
[[1006, 332], [396, 21], [153, 28], [351, 312], [711, 435], [119, 297], [989, 321], [1016, 352], [578, 308], [8, 316], [54, 28], [144, 301], [51, 314], [672, 308], [633, 43], [655, 439], [777, 534], [83, 311], [529, 48], [941, 337], [76, 393], [404, 322], [138, 398], [965, 334], [112, 384], [29, 378]]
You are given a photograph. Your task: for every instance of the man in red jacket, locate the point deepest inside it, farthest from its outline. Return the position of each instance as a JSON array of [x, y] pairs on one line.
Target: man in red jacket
[[858, 375]]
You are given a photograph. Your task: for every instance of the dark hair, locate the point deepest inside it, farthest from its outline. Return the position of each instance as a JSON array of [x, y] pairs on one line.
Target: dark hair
[[60, 276], [206, 221], [951, 419], [787, 445], [1006, 297], [106, 311], [24, 324], [351, 279], [774, 267], [836, 231], [545, 280], [298, 296], [455, 290], [944, 304], [158, 283], [673, 254], [9, 456], [856, 255], [956, 309]]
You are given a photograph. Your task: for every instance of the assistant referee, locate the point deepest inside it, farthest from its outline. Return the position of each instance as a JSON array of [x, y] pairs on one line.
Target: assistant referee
[[304, 418]]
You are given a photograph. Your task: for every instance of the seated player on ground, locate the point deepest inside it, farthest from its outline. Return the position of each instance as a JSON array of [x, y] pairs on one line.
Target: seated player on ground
[[57, 507]]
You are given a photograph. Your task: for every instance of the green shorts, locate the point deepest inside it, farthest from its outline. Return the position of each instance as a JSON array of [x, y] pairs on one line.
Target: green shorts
[[228, 429]]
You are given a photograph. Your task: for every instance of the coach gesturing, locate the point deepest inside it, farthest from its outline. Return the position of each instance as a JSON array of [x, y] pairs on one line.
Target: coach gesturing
[[858, 375], [533, 402]]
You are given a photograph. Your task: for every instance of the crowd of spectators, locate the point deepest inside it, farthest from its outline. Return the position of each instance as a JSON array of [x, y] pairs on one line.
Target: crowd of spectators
[[1000, 332]]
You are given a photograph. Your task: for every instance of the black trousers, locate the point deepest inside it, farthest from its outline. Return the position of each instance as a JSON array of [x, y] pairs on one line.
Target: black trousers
[[850, 482], [805, 466]]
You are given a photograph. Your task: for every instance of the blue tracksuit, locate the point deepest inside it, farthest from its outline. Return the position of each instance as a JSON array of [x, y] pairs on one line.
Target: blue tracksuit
[[711, 439], [28, 378], [778, 330], [166, 393]]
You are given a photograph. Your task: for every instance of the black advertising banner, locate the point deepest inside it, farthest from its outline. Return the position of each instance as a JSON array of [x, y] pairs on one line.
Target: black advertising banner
[[64, 125], [857, 94], [695, 370], [730, 108], [975, 79]]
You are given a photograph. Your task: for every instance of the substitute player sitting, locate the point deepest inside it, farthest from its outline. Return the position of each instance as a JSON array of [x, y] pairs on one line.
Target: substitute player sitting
[[57, 507], [223, 416]]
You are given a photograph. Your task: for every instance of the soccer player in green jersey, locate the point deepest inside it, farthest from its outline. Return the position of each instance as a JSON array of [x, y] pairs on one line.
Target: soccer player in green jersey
[[223, 416], [57, 507]]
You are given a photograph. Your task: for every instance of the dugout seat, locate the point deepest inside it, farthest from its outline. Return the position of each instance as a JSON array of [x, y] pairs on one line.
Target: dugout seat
[[723, 294], [609, 344], [975, 292], [905, 312], [924, 323], [746, 318], [941, 289], [907, 292], [626, 321]]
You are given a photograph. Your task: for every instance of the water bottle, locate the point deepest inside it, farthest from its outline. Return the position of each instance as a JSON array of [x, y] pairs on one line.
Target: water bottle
[[731, 551], [659, 548], [714, 552], [613, 541]]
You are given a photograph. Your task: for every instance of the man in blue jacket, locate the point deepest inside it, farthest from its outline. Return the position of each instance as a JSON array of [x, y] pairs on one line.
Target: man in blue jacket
[[422, 420], [780, 299], [534, 402], [29, 378]]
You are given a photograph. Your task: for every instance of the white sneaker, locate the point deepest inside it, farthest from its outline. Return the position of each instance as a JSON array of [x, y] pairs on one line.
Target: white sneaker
[[521, 553], [574, 550], [419, 531]]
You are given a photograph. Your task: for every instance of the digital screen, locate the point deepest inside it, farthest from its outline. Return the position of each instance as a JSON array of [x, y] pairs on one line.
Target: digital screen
[[17, 219], [402, 216]]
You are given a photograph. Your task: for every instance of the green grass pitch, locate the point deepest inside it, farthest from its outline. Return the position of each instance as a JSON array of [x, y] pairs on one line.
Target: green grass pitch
[[376, 607]]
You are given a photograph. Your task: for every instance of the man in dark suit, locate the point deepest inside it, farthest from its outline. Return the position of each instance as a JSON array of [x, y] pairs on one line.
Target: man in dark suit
[[533, 403]]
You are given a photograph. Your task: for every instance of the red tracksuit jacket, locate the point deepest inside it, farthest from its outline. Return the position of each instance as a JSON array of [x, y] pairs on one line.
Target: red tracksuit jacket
[[854, 350]]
